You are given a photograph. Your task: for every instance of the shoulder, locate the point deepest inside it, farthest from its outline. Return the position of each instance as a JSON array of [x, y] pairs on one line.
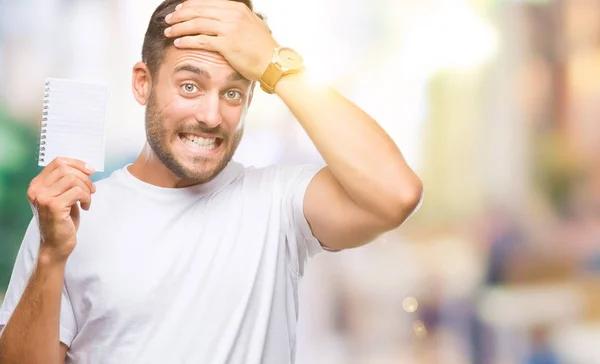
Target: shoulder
[[278, 180], [110, 180], [280, 173], [109, 188]]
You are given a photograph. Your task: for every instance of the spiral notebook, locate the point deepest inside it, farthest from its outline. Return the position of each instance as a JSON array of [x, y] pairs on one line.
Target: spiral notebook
[[73, 122]]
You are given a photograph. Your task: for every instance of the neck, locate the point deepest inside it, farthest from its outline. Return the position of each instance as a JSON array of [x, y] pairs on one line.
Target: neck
[[148, 168]]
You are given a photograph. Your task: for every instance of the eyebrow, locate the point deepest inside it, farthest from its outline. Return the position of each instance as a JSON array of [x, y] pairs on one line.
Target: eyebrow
[[235, 76], [197, 70]]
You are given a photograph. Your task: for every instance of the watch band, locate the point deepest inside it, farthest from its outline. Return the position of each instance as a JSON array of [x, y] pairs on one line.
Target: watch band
[[270, 77]]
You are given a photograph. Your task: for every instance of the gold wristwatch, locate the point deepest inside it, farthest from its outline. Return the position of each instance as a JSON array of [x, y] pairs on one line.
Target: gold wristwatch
[[284, 62]]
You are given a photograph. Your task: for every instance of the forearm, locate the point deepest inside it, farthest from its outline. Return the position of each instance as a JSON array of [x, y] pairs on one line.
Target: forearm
[[362, 157], [32, 333]]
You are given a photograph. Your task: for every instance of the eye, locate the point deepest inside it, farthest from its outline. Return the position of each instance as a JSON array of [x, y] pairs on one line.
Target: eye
[[188, 88], [233, 95]]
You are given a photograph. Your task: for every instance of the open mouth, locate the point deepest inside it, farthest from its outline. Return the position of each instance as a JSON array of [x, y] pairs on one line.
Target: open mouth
[[200, 143]]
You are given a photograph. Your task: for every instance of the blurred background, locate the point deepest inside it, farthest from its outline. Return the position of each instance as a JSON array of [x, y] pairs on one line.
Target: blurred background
[[496, 104]]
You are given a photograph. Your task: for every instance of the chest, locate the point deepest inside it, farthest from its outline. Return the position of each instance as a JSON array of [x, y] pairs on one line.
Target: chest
[[134, 262]]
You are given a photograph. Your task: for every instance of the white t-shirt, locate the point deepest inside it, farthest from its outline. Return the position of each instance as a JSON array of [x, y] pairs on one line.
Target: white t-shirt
[[204, 274]]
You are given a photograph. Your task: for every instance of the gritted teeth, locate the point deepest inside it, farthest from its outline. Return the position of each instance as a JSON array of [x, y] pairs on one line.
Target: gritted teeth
[[206, 143]]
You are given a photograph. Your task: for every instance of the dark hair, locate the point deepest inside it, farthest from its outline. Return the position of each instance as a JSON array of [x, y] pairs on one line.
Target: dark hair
[[155, 42]]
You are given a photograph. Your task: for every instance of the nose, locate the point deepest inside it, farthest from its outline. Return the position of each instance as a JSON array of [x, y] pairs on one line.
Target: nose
[[208, 111]]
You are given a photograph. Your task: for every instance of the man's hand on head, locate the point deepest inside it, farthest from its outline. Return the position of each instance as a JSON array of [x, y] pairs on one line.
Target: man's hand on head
[[227, 27]]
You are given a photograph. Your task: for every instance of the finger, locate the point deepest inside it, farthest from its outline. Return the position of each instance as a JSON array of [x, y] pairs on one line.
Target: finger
[[64, 184], [73, 195], [220, 4], [55, 170], [75, 212], [194, 27], [206, 11], [86, 204], [205, 42], [69, 162], [229, 5], [65, 170]]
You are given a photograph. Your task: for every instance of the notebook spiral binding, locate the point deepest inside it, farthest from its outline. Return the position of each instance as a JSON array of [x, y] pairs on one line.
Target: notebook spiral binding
[[44, 124]]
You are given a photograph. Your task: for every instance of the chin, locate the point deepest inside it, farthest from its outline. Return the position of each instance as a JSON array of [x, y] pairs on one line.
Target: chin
[[202, 173], [199, 170]]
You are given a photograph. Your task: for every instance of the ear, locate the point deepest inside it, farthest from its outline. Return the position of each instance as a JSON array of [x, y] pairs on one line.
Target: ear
[[141, 83]]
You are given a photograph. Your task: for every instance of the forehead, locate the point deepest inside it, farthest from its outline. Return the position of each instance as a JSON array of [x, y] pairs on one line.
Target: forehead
[[212, 62]]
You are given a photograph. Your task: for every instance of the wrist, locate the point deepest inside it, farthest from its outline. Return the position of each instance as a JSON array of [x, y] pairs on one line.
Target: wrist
[[291, 81], [49, 258], [284, 62], [267, 58]]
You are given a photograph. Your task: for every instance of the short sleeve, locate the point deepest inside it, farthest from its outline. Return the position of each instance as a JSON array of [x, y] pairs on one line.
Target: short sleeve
[[24, 264], [301, 242]]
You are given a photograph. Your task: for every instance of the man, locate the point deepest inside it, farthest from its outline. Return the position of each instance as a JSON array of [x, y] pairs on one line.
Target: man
[[184, 256]]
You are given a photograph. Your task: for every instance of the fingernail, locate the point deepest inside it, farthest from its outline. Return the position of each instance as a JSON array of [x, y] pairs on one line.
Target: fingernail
[[89, 168], [167, 31], [178, 6], [168, 17], [177, 42], [94, 187]]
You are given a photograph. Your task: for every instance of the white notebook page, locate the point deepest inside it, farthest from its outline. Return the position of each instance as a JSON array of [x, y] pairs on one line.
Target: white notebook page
[[73, 122]]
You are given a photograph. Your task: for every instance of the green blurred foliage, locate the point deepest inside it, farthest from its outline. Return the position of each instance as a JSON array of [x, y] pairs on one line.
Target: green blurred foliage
[[18, 150]]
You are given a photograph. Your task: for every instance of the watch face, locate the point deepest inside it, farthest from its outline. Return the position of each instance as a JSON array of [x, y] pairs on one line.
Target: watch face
[[290, 59]]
